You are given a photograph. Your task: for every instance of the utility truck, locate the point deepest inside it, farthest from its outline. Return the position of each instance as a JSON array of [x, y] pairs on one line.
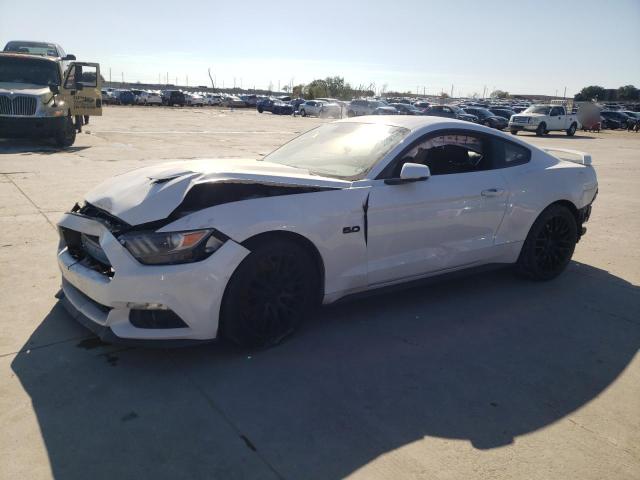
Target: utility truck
[[45, 96]]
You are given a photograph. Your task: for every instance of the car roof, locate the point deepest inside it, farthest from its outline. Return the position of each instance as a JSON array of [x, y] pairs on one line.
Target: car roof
[[408, 121]]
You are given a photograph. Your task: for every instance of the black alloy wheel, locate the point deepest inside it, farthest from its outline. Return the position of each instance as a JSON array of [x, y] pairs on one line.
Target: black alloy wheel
[[550, 244], [268, 295]]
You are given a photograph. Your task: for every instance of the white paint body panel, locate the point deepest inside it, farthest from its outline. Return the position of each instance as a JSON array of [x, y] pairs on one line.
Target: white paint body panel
[[433, 225], [415, 230]]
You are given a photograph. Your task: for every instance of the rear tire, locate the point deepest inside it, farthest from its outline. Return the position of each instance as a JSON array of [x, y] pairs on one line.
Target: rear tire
[[269, 294], [542, 128], [549, 245], [303, 112], [260, 109], [572, 130], [66, 136]]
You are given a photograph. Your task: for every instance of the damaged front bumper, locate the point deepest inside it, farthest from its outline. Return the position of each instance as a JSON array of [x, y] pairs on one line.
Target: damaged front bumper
[[111, 302]]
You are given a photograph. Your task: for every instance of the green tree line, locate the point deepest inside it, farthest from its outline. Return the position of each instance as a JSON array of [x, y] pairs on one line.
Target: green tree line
[[331, 87], [596, 92]]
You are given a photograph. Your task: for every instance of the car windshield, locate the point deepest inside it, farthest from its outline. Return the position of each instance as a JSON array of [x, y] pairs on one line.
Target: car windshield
[[342, 150], [482, 112], [543, 109], [28, 70], [33, 48]]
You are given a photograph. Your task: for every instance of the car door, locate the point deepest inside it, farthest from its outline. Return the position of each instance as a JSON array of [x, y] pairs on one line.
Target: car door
[[556, 119], [82, 83], [447, 221]]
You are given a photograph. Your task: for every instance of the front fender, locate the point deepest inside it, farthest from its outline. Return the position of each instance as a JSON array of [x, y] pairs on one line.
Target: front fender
[[320, 217]]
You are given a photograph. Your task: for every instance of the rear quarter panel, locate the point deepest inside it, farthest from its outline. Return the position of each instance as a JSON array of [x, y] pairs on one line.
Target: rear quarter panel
[[536, 185]]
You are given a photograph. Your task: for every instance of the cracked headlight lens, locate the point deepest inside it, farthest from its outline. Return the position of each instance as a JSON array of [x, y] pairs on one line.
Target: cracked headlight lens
[[167, 248]]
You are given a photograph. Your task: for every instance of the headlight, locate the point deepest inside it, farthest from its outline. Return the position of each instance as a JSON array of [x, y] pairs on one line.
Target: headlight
[[155, 248]]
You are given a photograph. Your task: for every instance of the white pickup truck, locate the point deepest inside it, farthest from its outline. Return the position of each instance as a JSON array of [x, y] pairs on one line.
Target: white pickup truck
[[543, 119]]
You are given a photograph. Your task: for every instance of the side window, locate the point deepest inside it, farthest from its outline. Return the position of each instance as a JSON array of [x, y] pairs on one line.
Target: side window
[[84, 74], [514, 154], [555, 111], [450, 154]]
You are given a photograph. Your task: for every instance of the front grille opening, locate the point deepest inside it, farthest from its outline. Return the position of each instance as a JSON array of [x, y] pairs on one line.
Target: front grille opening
[[22, 105], [87, 251], [155, 319]]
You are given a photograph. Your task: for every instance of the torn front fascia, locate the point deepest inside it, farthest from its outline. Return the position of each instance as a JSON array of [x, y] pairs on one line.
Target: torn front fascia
[[205, 195], [113, 224]]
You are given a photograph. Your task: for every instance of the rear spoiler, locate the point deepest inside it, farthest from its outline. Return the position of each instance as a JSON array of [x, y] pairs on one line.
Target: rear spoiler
[[574, 156]]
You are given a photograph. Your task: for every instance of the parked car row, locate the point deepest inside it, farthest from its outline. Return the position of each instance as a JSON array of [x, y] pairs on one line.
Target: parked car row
[[498, 114], [169, 97]]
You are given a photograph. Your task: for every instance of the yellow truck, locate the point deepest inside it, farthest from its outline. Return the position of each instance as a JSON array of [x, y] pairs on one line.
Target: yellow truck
[[47, 96]]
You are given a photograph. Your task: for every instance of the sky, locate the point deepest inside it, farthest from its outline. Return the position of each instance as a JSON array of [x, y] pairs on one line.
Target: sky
[[534, 47]]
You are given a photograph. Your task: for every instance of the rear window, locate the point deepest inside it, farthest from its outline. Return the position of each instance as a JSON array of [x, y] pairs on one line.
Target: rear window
[[515, 154]]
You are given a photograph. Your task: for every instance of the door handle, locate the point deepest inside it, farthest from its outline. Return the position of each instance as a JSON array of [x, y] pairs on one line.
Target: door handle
[[492, 192]]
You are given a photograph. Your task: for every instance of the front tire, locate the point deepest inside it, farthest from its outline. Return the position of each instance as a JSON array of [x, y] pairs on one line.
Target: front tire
[[514, 132], [268, 295], [542, 128], [66, 135], [549, 245]]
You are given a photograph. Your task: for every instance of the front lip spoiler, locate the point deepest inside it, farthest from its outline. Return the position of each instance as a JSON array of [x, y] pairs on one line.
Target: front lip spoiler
[[106, 334]]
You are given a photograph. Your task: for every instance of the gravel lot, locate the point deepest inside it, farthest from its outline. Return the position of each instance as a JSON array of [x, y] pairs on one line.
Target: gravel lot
[[484, 376]]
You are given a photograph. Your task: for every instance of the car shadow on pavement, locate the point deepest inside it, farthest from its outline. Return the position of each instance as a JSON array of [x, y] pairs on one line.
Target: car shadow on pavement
[[41, 147], [484, 358]]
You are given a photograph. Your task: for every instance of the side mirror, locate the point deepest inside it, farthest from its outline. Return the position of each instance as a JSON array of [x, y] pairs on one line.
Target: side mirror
[[55, 89], [69, 57], [411, 172]]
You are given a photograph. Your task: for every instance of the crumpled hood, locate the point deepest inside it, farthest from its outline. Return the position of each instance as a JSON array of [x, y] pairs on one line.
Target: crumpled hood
[[152, 193]]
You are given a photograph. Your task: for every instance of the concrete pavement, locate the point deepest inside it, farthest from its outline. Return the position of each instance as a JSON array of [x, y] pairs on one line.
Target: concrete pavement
[[481, 376]]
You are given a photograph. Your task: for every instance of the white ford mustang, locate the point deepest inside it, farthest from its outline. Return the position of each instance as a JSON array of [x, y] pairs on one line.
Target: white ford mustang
[[194, 250]]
